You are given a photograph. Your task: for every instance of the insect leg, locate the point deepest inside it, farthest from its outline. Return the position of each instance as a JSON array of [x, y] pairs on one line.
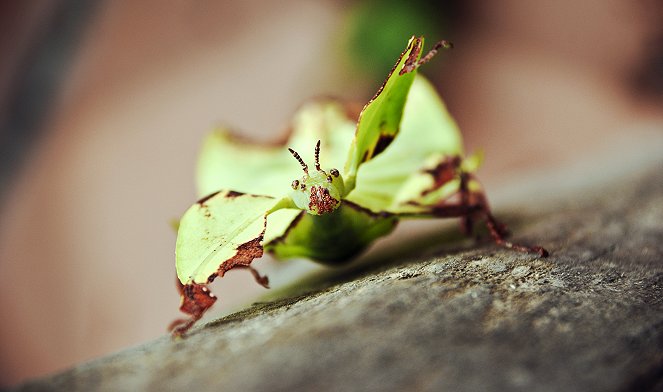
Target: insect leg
[[466, 221], [428, 56], [412, 63], [195, 300], [498, 231], [262, 280], [473, 205]]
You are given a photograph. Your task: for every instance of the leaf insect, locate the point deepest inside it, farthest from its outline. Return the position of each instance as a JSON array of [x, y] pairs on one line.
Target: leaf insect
[[405, 160]]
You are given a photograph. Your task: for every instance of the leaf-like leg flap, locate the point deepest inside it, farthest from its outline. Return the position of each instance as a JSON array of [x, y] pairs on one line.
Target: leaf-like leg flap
[[222, 231], [195, 300]]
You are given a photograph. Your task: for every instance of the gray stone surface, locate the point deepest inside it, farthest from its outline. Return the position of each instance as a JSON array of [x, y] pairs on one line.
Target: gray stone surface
[[469, 318]]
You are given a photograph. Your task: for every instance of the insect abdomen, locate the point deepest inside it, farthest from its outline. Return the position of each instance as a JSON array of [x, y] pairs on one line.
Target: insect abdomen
[[333, 238]]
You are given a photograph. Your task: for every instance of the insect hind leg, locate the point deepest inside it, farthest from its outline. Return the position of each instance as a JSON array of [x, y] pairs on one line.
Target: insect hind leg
[[494, 229], [466, 221], [498, 231]]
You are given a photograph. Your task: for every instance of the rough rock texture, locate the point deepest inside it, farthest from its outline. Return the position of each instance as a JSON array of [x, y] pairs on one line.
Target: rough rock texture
[[477, 318]]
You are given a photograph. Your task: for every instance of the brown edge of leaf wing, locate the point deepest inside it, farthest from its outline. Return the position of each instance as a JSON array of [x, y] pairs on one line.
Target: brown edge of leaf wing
[[445, 171], [412, 60], [246, 253], [228, 194], [383, 142], [205, 198], [416, 43]]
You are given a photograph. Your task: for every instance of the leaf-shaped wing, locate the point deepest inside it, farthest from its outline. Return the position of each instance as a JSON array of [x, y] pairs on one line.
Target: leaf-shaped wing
[[228, 162], [222, 231], [402, 173], [379, 121]]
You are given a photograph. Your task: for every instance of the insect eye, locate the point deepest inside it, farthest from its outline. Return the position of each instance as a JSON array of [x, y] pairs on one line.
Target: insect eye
[[334, 172], [295, 184]]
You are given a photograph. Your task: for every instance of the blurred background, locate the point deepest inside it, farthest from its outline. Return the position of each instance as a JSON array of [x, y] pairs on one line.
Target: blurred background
[[103, 106]]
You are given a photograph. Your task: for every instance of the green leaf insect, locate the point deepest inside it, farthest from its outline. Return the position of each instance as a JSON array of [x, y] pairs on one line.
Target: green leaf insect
[[403, 158]]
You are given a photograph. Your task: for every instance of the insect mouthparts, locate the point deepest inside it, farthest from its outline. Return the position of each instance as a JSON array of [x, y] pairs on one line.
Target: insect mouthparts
[[321, 201]]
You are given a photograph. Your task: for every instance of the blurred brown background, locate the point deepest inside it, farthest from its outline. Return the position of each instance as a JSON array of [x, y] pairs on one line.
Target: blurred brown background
[[103, 106]]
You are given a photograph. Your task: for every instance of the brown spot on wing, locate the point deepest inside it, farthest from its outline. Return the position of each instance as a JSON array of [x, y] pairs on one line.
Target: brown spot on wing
[[232, 194], [204, 199], [444, 172], [411, 61], [383, 142], [228, 194]]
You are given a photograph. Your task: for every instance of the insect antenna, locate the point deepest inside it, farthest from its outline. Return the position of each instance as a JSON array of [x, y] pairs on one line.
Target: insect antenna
[[317, 159], [299, 159], [317, 156]]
